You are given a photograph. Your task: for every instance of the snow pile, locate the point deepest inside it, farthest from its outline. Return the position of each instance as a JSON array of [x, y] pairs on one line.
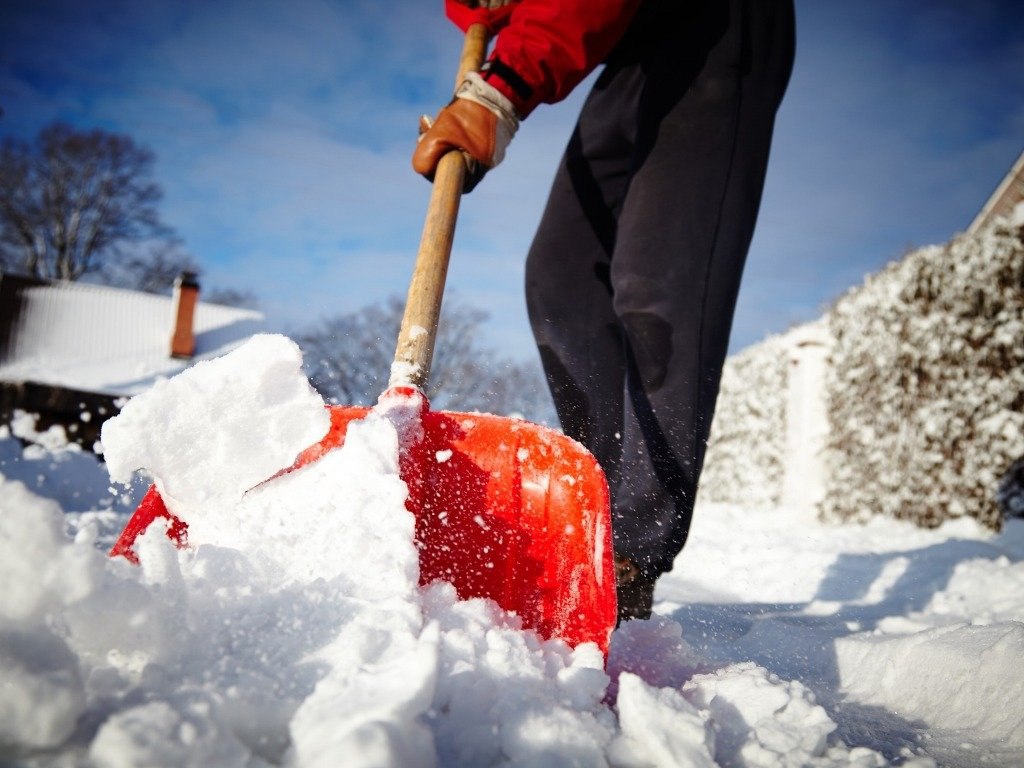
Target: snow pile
[[927, 388], [728, 714], [43, 690], [293, 630]]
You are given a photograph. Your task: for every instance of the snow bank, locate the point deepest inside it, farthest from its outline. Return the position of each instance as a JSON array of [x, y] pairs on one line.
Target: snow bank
[[956, 663], [908, 637], [924, 389], [960, 677], [294, 632]]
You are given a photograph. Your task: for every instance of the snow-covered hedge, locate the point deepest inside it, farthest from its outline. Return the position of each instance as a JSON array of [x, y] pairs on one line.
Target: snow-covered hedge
[[926, 385], [925, 392], [744, 462]]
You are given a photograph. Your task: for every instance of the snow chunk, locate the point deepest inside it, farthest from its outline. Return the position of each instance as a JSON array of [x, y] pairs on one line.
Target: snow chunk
[[371, 711], [181, 735], [219, 428], [341, 518], [982, 591], [761, 720], [506, 697], [660, 728], [23, 425], [1017, 215]]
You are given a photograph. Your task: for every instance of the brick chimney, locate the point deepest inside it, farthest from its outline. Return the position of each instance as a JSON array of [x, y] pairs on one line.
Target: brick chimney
[[186, 296]]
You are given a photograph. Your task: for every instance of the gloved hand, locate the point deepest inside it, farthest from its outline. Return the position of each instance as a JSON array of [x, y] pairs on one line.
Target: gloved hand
[[480, 121]]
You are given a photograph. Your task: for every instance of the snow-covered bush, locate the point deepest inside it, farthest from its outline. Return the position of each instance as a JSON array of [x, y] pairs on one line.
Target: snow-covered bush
[[744, 461], [926, 386]]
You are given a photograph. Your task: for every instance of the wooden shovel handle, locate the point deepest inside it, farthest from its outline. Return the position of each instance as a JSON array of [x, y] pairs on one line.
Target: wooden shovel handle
[[416, 338]]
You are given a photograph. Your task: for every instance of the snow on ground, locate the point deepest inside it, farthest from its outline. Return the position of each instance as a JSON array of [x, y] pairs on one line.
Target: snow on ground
[[293, 632], [911, 639]]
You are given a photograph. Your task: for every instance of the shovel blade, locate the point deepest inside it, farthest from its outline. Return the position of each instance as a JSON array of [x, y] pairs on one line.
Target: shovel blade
[[519, 514], [505, 509]]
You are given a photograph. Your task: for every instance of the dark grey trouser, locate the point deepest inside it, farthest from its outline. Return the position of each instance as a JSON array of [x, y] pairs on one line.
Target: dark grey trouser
[[633, 274]]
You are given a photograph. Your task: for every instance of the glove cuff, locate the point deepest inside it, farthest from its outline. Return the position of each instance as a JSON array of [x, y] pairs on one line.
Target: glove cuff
[[475, 88]]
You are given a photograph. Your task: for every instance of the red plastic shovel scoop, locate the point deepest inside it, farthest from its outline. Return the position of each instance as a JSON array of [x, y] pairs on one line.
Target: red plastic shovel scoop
[[505, 509]]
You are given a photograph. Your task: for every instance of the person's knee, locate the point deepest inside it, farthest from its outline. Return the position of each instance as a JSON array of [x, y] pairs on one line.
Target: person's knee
[[650, 343]]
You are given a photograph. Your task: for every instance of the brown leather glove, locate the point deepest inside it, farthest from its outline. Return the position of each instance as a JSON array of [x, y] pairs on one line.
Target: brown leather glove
[[479, 121]]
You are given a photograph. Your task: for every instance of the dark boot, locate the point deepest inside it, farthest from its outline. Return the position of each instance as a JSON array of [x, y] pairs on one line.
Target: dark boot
[[635, 591]]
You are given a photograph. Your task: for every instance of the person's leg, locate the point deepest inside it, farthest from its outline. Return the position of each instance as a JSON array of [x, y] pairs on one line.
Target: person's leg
[[568, 274], [681, 242], [656, 196]]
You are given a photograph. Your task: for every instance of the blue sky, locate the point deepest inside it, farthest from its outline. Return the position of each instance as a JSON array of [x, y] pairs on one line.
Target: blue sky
[[283, 133]]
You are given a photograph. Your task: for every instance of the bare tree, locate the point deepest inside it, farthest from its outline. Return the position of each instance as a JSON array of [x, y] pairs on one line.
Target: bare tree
[[152, 267], [68, 200], [348, 358], [232, 297], [148, 267]]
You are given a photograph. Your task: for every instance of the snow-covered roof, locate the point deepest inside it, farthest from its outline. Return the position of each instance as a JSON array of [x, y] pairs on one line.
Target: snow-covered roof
[[1005, 200], [101, 339]]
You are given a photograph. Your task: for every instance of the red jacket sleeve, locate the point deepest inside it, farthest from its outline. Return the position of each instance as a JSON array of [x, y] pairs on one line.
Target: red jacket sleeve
[[549, 46]]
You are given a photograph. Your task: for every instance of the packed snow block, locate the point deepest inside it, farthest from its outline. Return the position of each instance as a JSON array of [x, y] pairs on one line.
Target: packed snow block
[[926, 383], [959, 677], [219, 428], [760, 721]]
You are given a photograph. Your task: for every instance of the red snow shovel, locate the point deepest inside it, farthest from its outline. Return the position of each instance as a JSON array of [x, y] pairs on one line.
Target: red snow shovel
[[505, 509]]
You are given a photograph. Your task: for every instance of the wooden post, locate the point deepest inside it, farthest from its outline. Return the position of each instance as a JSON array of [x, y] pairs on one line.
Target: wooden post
[[415, 349]]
